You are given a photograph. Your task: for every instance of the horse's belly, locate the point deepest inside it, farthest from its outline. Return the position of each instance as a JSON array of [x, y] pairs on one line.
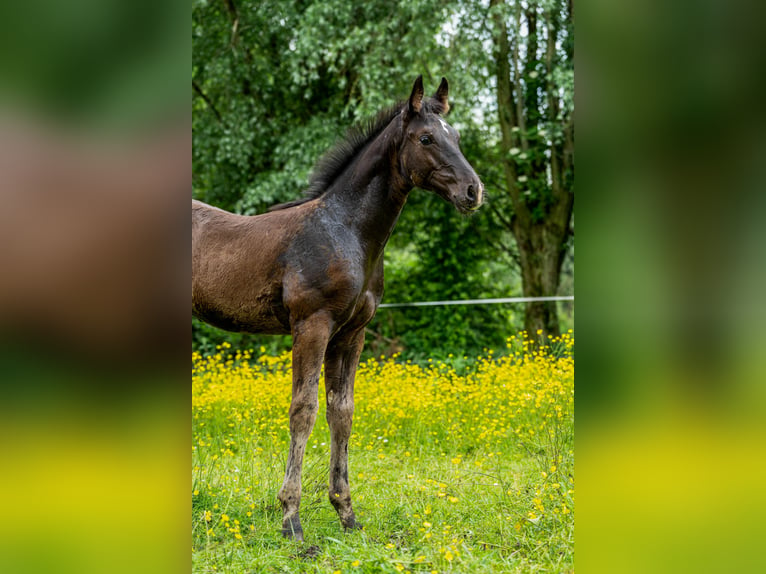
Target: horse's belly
[[264, 323], [260, 315]]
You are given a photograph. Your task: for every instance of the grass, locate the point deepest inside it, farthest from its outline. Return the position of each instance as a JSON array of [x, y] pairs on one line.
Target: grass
[[469, 472]]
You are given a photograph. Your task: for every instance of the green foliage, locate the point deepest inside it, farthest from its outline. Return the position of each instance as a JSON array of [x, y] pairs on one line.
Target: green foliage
[[276, 83]]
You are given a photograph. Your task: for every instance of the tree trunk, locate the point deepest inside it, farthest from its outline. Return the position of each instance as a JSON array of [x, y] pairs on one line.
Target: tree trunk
[[541, 238], [541, 251]]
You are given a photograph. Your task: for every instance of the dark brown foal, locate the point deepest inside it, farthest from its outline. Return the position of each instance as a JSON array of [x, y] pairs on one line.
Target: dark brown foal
[[314, 267]]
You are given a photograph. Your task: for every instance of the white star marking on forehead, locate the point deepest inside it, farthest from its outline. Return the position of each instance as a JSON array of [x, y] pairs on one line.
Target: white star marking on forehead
[[444, 125]]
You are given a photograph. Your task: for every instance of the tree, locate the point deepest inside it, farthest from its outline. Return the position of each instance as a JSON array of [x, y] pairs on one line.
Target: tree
[[534, 71]]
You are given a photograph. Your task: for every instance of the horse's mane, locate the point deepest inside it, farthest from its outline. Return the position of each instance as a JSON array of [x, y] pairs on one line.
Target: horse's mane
[[333, 163]]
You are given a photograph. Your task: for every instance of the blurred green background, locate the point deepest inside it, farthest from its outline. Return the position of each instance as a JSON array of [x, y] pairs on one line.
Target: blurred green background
[[101, 65], [671, 370], [275, 84]]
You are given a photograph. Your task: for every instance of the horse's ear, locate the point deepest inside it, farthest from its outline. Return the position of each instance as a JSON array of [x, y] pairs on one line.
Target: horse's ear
[[416, 98], [442, 96]]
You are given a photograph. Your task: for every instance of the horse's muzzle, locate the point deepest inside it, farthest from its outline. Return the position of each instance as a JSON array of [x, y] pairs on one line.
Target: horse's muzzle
[[472, 199]]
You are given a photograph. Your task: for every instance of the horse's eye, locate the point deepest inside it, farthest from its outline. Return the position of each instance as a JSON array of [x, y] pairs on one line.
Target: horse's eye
[[426, 140]]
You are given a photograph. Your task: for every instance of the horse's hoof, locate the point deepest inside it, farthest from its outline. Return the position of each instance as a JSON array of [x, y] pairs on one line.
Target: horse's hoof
[[291, 528], [293, 534], [353, 525]]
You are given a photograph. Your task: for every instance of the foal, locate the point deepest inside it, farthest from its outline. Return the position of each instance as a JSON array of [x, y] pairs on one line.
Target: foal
[[314, 267]]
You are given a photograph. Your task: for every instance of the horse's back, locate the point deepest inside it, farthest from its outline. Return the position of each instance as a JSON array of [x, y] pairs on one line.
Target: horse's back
[[203, 214]]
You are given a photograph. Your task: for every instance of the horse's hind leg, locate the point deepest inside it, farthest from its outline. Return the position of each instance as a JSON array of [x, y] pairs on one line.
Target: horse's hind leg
[[309, 343], [340, 369]]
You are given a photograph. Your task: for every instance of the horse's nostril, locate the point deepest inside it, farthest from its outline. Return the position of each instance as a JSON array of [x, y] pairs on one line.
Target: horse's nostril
[[470, 193]]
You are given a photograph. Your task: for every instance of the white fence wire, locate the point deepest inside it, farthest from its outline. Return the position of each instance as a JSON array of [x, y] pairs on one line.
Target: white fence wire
[[477, 301]]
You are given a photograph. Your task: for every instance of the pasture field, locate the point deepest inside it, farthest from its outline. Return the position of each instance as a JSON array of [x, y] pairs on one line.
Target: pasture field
[[464, 467]]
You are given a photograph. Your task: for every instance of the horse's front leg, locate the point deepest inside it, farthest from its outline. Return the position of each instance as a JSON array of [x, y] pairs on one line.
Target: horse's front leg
[[340, 369], [309, 344]]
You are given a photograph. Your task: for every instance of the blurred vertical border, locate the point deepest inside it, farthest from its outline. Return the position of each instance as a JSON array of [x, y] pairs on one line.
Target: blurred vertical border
[[671, 369], [95, 174]]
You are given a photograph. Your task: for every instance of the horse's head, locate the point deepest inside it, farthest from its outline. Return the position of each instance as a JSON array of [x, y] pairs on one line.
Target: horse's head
[[430, 156]]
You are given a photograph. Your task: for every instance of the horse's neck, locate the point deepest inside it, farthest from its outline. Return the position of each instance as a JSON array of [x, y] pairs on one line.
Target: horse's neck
[[370, 196]]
